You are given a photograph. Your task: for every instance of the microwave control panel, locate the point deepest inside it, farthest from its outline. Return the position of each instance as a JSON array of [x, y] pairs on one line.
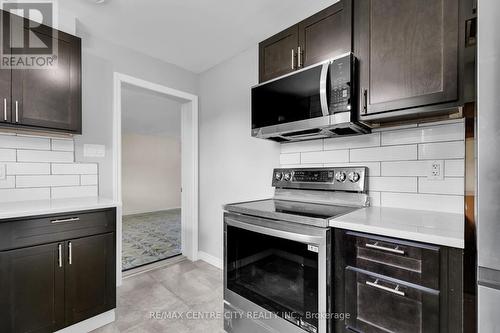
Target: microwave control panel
[[341, 84]]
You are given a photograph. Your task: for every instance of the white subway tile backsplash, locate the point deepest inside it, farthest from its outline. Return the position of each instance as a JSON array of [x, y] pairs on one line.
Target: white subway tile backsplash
[[360, 141], [393, 184], [391, 153], [454, 168], [454, 186], [21, 142], [290, 158], [74, 192], [303, 146], [452, 132], [441, 151], [44, 156], [47, 180], [74, 169], [405, 168], [88, 180], [7, 155], [441, 203], [24, 194], [399, 161], [332, 156], [8, 182], [63, 145], [28, 168], [40, 168]]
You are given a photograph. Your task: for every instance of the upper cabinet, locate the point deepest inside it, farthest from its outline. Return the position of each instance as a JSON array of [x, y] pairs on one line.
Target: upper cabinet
[[409, 54], [48, 98], [322, 36]]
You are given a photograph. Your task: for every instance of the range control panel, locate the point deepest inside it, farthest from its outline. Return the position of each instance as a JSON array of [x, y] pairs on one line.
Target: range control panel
[[351, 179]]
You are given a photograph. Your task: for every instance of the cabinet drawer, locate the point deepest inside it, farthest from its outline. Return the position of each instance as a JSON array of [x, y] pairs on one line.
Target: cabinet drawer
[[407, 261], [379, 304], [53, 228]]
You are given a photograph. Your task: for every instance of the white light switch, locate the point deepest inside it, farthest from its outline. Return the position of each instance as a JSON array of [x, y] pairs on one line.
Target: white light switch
[[3, 172], [94, 150]]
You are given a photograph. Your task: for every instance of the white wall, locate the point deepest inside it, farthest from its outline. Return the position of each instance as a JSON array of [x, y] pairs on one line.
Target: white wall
[[151, 173], [233, 165]]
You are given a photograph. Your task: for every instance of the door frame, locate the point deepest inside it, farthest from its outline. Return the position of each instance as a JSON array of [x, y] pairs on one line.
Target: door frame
[[189, 163]]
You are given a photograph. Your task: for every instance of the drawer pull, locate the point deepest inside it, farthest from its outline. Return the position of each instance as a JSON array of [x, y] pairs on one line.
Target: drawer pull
[[59, 255], [391, 290], [73, 219], [383, 248], [70, 253]]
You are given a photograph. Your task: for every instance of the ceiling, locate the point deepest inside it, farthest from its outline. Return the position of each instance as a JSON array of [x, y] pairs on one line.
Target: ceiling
[[193, 34], [146, 112]]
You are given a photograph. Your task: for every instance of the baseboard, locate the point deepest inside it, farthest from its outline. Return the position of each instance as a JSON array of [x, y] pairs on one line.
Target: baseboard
[[210, 259], [91, 324], [150, 211]]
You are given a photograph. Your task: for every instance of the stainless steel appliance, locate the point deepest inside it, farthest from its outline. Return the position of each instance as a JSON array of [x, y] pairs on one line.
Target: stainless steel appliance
[[277, 252], [316, 102], [488, 175]]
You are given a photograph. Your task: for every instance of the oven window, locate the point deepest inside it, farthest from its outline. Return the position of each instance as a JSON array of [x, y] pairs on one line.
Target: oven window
[[293, 98], [277, 274]]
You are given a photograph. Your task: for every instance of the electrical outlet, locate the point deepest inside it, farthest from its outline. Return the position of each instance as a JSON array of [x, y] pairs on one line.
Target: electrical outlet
[[3, 172], [436, 170]]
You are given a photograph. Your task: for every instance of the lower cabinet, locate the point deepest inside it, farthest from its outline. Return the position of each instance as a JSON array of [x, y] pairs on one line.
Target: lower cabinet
[[44, 288]]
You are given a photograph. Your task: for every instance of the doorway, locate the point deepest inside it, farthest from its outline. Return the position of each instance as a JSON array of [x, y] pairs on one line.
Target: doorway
[[156, 136]]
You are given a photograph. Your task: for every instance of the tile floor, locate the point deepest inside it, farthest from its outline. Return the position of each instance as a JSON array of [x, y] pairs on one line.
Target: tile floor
[[150, 237], [182, 287]]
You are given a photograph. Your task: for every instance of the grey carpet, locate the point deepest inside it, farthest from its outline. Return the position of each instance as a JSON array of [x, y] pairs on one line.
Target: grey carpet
[[150, 237]]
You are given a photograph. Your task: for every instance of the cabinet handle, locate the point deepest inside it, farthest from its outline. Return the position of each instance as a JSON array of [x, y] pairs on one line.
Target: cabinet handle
[[299, 56], [391, 290], [70, 254], [72, 219], [293, 58], [59, 255], [365, 100], [17, 111], [5, 109], [383, 248]]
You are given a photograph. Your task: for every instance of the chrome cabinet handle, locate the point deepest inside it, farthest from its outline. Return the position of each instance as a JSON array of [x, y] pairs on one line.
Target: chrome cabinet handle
[[17, 111], [70, 254], [5, 109], [293, 58], [391, 290], [299, 58], [72, 219], [383, 248], [59, 255]]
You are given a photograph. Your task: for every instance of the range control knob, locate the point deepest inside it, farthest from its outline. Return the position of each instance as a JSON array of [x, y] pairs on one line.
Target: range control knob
[[287, 176], [353, 177], [278, 176], [340, 176]]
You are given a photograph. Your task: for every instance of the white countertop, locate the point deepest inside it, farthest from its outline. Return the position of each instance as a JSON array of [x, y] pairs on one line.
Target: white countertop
[[42, 207], [423, 226]]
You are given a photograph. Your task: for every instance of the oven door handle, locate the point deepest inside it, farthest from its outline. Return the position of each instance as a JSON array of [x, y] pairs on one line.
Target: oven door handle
[[299, 237], [322, 89]]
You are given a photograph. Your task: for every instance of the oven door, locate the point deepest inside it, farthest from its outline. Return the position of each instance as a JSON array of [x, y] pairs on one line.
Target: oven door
[[278, 269]]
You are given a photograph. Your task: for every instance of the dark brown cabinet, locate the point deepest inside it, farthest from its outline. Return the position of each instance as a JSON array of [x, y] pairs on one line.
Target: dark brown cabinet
[[322, 36], [410, 55], [47, 99], [46, 287]]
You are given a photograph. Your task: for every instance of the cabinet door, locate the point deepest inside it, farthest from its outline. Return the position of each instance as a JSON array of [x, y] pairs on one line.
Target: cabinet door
[[32, 289], [407, 51], [326, 34], [278, 54], [90, 277], [5, 82], [50, 98]]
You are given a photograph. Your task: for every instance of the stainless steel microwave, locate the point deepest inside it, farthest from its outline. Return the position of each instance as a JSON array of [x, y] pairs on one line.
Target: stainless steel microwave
[[318, 101]]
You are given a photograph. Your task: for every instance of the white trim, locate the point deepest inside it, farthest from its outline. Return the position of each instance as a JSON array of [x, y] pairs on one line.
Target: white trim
[[189, 163], [210, 259], [90, 324]]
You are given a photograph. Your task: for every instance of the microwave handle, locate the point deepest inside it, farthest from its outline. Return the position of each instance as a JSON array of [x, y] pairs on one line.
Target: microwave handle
[[322, 89]]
